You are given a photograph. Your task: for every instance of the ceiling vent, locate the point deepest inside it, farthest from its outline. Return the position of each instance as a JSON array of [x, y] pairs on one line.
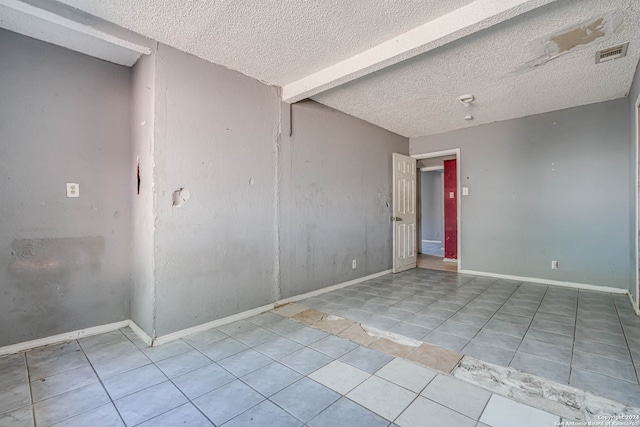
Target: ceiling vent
[[611, 53]]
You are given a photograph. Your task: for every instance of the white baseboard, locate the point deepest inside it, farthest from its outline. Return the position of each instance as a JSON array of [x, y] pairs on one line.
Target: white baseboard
[[140, 333], [634, 304], [213, 324], [259, 310], [450, 260], [332, 288], [28, 345], [432, 241], [68, 336], [548, 282]]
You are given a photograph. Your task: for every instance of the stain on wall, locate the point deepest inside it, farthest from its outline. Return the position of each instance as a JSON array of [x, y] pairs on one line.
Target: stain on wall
[[64, 262], [60, 261]]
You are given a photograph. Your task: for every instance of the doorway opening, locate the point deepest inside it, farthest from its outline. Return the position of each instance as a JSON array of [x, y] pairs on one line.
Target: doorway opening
[[438, 210]]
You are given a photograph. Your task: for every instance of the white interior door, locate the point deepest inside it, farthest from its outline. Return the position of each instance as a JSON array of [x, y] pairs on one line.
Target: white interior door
[[404, 213]]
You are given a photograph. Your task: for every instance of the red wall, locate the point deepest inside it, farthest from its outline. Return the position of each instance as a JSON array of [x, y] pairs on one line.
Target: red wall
[[450, 210]]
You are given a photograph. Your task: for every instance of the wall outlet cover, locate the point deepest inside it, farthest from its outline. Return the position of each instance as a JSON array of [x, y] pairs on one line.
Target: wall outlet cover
[[73, 189]]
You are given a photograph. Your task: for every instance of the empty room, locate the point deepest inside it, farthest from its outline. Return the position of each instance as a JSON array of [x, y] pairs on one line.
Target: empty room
[[378, 213]]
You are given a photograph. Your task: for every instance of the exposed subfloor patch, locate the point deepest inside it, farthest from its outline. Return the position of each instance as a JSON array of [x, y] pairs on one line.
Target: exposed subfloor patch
[[589, 340], [560, 399], [266, 370], [567, 402]]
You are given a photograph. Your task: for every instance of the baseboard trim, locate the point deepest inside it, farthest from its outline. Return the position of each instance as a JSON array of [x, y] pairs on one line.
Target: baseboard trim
[[259, 310], [332, 288], [55, 339], [140, 333], [548, 282], [67, 336], [432, 241], [213, 324], [451, 260], [634, 304]]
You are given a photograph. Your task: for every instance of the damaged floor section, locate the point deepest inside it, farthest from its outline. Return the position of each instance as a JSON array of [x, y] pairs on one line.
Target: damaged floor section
[[590, 340], [268, 370], [568, 403], [303, 366]]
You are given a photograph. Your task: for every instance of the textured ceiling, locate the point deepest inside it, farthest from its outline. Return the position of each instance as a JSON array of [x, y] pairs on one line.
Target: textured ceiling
[[273, 41], [420, 96], [279, 42]]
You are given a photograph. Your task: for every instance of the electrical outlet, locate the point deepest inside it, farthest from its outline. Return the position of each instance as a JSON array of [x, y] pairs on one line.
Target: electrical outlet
[[73, 189], [554, 265], [353, 264]]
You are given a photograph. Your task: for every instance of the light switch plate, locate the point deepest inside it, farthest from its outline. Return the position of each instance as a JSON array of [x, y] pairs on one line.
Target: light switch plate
[[73, 189], [465, 191]]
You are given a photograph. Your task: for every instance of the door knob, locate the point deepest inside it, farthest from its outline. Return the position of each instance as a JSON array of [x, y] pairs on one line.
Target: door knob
[[396, 218]]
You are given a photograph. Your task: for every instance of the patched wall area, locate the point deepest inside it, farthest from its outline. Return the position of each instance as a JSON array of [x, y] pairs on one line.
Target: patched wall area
[[215, 148], [64, 262]]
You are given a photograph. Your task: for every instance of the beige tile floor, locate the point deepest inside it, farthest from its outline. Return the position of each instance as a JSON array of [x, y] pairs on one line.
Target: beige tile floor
[[436, 263]]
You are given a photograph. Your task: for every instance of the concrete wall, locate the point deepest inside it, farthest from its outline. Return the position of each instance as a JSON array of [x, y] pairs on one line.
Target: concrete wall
[[215, 135], [335, 198], [64, 262], [634, 95], [553, 186], [431, 200], [142, 200]]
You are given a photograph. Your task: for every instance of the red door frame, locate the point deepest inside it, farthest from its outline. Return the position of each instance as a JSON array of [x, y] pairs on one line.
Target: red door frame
[[449, 152], [450, 209]]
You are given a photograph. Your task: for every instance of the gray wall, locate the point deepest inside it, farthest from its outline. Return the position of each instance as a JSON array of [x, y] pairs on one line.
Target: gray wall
[[431, 200], [64, 263], [335, 198], [215, 135], [634, 94], [142, 233], [553, 186]]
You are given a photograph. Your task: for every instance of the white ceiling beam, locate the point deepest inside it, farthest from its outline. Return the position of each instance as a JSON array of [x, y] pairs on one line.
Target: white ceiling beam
[[64, 26], [467, 20]]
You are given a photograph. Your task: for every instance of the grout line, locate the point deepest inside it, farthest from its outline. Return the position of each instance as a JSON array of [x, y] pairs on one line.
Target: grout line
[[101, 383], [529, 326], [33, 409], [573, 343], [624, 334]]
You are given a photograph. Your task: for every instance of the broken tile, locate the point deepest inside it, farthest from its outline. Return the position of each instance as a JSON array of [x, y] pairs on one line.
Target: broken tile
[[435, 357], [309, 316], [391, 347], [333, 325], [289, 310], [358, 335]]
